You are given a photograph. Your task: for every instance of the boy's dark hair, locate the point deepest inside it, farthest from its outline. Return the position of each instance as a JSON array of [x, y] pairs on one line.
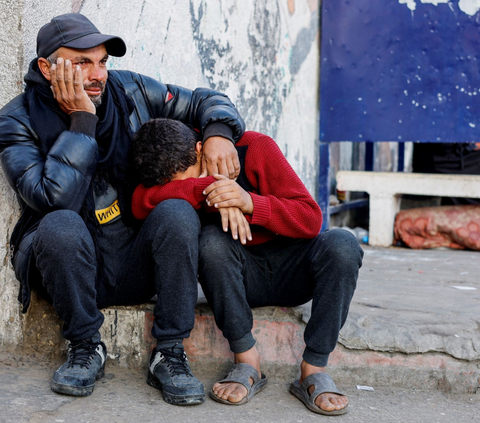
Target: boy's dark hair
[[161, 148]]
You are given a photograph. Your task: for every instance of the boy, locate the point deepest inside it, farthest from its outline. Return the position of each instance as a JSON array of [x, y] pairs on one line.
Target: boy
[[280, 259]]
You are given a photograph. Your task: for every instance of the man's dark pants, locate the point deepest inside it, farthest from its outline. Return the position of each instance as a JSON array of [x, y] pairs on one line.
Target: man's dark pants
[[162, 259], [282, 272]]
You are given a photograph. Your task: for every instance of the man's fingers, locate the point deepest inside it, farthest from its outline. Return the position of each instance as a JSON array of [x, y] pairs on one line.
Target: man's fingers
[[78, 80], [219, 152], [203, 168], [222, 168], [233, 168], [68, 78], [54, 82], [67, 87], [212, 168], [208, 168], [53, 78], [228, 167], [60, 75]]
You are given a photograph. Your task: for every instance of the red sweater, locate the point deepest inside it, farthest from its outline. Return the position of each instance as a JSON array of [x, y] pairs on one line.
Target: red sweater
[[281, 203]]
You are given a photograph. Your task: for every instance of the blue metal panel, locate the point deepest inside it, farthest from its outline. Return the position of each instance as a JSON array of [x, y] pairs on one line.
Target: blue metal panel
[[392, 74]]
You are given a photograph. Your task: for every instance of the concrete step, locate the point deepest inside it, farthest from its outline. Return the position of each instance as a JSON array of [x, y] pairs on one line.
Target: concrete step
[[408, 326], [127, 335], [279, 335]]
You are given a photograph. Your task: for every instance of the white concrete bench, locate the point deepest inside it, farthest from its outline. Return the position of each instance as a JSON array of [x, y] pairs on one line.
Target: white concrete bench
[[385, 189]]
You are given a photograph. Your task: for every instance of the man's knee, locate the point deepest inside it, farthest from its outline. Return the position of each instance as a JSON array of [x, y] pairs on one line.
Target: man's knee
[[62, 230]]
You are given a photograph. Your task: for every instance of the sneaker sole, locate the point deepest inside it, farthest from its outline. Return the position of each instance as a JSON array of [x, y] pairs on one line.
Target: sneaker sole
[[77, 391], [169, 398]]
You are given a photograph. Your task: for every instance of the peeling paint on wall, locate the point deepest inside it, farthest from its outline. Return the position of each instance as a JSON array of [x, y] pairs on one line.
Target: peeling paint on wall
[[259, 75], [470, 7], [77, 5]]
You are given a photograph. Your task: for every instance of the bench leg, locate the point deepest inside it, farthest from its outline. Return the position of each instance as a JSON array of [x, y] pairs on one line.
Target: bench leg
[[382, 219]]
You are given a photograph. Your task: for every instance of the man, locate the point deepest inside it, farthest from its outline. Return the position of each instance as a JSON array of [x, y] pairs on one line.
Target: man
[[279, 260], [64, 148]]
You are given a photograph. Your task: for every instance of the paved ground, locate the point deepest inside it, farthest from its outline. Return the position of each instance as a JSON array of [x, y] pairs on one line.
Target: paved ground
[[123, 396], [417, 301]]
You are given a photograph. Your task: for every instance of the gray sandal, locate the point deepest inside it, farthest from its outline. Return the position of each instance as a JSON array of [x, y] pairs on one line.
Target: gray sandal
[[323, 384], [241, 373]]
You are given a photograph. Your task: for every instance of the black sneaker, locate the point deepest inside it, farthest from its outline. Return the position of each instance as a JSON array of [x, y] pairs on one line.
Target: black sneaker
[[85, 364], [170, 372]]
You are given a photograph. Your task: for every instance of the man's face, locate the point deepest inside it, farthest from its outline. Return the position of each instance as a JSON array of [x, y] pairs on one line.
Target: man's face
[[93, 62]]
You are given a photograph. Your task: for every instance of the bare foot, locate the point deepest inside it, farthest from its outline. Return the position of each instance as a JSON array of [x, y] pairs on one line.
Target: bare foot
[[326, 401], [235, 392]]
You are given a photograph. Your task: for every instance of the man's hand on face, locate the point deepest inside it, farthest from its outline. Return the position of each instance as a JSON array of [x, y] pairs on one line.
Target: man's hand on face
[[219, 155], [67, 88]]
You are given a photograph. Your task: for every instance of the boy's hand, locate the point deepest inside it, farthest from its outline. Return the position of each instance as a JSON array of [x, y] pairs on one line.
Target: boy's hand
[[239, 226], [67, 88], [219, 155], [227, 193]]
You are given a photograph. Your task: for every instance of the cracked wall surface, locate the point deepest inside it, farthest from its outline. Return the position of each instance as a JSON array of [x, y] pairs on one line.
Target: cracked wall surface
[[264, 55], [10, 74]]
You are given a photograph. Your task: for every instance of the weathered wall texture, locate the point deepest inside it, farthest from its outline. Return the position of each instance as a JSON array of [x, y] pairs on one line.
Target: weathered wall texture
[[10, 76], [264, 55]]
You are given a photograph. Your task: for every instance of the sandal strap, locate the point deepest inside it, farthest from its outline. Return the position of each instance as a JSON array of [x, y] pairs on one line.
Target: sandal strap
[[241, 373], [323, 384]]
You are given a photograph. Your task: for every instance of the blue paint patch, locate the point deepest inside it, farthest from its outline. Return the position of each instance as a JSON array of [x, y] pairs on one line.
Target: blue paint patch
[[392, 74]]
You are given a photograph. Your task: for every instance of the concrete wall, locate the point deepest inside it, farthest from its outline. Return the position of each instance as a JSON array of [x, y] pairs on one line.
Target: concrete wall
[[264, 55], [11, 51]]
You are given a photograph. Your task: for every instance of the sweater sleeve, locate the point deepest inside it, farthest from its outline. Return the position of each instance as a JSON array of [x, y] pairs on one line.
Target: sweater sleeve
[[282, 203], [145, 199]]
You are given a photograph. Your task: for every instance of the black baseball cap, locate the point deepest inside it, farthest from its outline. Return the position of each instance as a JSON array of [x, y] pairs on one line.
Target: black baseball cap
[[75, 31]]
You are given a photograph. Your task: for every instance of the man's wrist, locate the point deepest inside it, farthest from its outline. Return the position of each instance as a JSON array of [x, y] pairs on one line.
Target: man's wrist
[[84, 122], [218, 129]]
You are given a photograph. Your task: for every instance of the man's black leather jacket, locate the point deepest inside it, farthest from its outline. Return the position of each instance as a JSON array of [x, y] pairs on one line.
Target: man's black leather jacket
[[61, 179]]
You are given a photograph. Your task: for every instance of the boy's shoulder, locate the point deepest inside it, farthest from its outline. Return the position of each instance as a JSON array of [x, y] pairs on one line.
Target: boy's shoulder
[[252, 138]]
